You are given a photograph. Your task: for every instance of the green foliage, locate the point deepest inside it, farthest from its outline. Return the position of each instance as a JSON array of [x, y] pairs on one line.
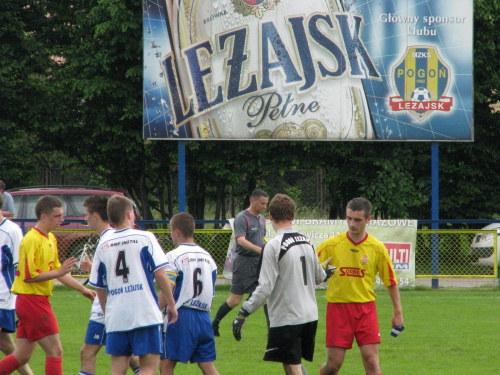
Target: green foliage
[[80, 119]]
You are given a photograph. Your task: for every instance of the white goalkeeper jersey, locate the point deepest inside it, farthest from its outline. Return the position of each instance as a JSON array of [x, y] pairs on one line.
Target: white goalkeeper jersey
[[10, 239], [289, 273], [194, 272], [124, 264], [96, 313]]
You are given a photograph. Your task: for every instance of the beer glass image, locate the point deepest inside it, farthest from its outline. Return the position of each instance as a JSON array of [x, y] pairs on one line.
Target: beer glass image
[[269, 69]]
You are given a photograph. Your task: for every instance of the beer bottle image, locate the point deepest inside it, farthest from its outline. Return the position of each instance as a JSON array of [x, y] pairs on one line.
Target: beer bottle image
[[269, 69]]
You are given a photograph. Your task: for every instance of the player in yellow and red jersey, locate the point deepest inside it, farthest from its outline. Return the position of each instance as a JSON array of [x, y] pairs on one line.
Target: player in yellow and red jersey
[[351, 311]]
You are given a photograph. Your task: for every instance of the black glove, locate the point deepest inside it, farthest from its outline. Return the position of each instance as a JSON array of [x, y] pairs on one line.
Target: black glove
[[238, 323], [329, 270]]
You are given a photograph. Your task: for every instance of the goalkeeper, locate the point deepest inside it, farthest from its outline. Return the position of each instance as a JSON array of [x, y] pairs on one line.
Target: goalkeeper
[[290, 270]]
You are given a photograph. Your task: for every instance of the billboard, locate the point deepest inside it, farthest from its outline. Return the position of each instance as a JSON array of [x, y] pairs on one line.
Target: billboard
[[333, 70]]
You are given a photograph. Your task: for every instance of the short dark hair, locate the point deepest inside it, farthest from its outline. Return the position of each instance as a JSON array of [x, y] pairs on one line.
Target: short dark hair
[[257, 193], [282, 208], [2, 185], [1, 201], [98, 203], [184, 222], [360, 204], [46, 204], [117, 208]]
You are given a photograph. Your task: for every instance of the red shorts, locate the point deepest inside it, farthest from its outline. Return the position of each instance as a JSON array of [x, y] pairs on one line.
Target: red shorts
[[36, 318], [344, 321]]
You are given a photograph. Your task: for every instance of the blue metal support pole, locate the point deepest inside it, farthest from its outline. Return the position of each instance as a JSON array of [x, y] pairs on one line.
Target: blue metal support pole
[[181, 153], [435, 211]]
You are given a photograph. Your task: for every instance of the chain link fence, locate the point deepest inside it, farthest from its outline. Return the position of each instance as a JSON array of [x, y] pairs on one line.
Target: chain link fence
[[439, 253], [456, 254]]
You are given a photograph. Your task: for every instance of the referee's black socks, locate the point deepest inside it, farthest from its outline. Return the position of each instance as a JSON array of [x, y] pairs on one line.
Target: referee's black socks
[[224, 309]]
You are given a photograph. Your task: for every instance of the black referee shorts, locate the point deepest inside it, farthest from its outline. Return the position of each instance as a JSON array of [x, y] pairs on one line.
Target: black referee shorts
[[289, 344], [245, 275]]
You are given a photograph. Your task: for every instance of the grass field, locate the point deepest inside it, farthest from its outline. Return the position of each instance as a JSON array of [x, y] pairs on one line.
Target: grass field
[[447, 331]]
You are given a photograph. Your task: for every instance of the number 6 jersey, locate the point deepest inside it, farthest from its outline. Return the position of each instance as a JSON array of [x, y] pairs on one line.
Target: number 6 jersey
[[125, 263], [193, 272]]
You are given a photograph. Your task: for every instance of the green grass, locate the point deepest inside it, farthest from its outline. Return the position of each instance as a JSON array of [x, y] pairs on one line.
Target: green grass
[[447, 331]]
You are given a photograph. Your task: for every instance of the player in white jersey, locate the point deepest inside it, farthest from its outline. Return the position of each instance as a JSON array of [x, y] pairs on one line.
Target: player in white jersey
[[95, 338], [125, 267], [289, 272], [192, 273], [10, 239]]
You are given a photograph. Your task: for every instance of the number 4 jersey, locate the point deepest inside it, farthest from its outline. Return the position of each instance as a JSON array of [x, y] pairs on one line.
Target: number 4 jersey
[[125, 263], [193, 271]]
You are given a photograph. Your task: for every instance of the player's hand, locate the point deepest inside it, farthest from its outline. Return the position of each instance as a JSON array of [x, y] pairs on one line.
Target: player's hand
[[239, 322], [68, 266], [86, 264], [329, 270], [89, 293], [171, 314]]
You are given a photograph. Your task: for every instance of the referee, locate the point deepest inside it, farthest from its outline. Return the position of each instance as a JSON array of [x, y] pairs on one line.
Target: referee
[[249, 230]]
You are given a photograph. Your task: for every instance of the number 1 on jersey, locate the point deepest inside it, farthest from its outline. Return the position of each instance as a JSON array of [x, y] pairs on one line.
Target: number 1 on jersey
[[304, 268]]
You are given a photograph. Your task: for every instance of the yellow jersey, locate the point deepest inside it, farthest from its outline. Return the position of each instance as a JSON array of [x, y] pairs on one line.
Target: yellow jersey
[[37, 254], [357, 266]]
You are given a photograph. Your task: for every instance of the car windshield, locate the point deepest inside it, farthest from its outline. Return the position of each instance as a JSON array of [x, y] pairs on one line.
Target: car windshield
[[31, 202], [77, 203]]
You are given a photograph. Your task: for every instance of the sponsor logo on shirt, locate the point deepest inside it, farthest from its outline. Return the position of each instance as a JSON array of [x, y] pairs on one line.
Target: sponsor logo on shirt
[[352, 272]]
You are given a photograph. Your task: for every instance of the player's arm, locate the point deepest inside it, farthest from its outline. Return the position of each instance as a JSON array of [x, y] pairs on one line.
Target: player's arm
[[166, 289], [172, 277], [247, 245], [68, 280], [7, 214], [102, 294], [66, 267], [397, 318]]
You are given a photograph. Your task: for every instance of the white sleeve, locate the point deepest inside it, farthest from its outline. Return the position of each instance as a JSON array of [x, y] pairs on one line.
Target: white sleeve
[[267, 278], [320, 272], [17, 236], [159, 256]]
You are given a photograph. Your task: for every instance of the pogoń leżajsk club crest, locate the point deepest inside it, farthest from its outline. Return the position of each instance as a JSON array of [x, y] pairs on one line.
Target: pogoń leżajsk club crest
[[421, 79], [256, 8]]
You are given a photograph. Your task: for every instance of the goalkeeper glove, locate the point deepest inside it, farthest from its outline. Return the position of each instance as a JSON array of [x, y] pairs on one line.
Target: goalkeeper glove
[[329, 270], [238, 323]]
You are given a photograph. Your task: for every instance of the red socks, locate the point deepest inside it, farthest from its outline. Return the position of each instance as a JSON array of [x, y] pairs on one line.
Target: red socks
[[53, 366], [9, 364]]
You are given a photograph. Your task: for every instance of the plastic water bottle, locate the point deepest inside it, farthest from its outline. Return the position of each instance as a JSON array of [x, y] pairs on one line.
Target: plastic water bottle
[[396, 330]]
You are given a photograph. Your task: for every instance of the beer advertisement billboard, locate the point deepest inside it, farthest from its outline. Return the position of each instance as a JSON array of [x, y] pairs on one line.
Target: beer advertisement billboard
[[337, 70]]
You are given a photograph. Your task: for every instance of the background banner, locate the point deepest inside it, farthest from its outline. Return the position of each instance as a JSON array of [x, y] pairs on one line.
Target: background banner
[[399, 237], [311, 70]]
